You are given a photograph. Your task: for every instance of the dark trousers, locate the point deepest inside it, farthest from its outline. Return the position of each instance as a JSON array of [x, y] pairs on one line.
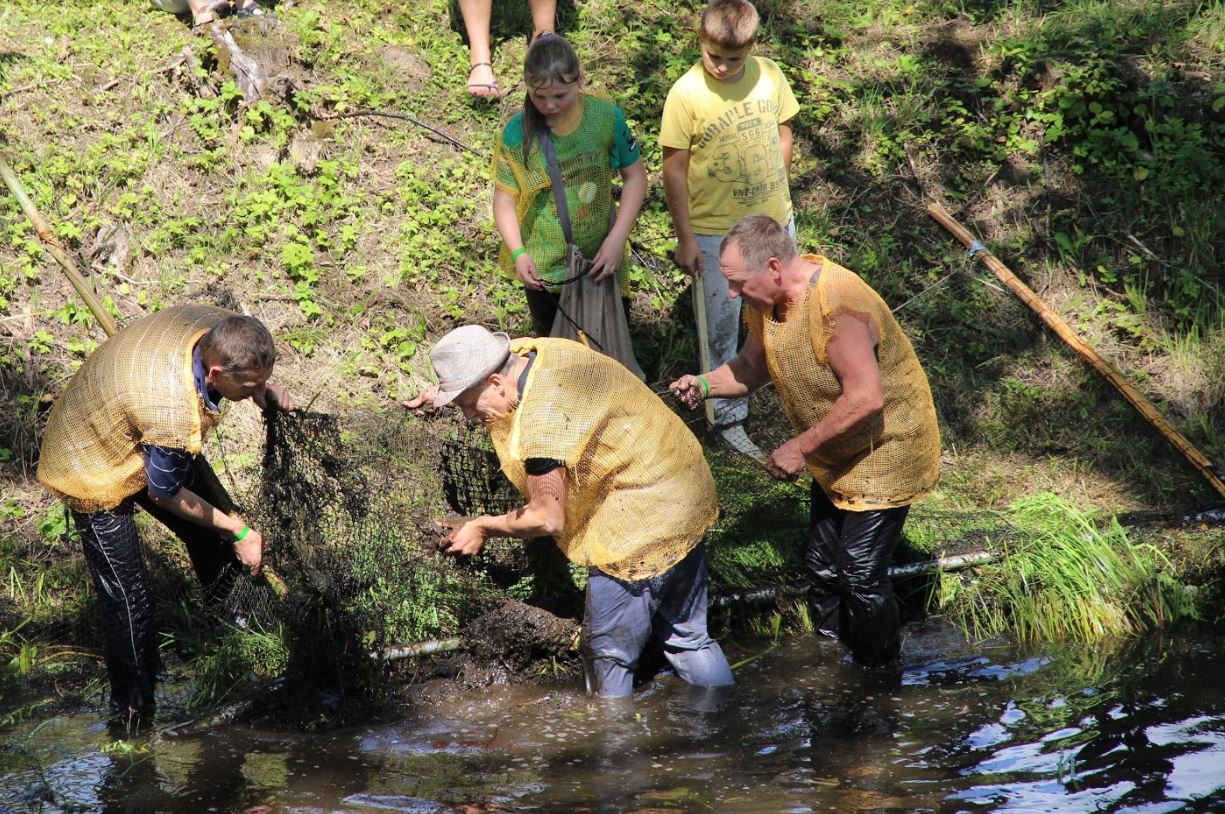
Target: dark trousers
[[850, 592], [542, 305], [117, 566]]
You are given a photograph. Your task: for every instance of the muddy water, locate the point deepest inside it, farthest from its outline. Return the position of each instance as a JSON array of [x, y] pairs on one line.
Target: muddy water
[[965, 728]]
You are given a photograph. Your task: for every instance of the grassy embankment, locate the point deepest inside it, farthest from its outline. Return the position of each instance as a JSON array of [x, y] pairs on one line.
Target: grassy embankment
[[1082, 141]]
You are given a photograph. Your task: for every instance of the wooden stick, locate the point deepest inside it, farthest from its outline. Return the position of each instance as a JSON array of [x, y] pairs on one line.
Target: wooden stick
[[1065, 332], [699, 308], [47, 237]]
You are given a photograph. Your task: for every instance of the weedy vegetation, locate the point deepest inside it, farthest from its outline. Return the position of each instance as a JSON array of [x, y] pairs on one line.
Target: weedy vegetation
[[1067, 577]]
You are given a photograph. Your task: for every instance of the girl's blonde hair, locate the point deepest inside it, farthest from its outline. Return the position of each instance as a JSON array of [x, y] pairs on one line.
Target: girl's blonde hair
[[550, 59]]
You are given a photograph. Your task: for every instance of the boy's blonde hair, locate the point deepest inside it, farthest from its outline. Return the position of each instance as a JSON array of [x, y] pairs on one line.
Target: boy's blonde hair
[[730, 24]]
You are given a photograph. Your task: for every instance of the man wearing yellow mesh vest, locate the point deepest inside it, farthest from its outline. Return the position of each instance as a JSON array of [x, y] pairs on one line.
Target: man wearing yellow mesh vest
[[125, 432], [860, 404], [613, 475]]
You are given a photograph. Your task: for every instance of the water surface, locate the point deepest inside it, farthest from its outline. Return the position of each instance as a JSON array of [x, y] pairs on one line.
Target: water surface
[[975, 728]]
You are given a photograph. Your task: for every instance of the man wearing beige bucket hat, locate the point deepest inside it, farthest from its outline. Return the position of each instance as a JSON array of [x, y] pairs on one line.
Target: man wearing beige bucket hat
[[613, 475]]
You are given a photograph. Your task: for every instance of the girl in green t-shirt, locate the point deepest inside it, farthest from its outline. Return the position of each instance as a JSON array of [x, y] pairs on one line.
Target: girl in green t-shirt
[[592, 140]]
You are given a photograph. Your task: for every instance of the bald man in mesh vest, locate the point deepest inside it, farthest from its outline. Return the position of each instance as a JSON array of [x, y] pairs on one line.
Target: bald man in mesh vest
[[125, 432], [862, 410], [613, 475]]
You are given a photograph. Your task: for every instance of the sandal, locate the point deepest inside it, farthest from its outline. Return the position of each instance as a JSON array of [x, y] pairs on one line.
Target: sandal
[[249, 10], [483, 90]]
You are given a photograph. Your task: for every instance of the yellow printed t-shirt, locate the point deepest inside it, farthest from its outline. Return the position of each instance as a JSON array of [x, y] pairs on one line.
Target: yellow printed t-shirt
[[731, 132]]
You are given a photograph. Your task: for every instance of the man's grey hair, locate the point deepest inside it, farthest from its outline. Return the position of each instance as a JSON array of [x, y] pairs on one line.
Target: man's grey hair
[[759, 237]]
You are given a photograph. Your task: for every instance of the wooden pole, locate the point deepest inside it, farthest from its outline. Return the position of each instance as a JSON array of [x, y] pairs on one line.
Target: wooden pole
[[47, 238], [699, 310], [1065, 332]]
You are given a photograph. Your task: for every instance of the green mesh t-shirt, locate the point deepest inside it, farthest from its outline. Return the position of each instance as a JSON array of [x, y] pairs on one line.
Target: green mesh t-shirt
[[600, 145]]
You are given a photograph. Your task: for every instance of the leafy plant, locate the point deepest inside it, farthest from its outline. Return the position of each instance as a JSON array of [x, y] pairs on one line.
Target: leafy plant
[[239, 653], [1069, 578]]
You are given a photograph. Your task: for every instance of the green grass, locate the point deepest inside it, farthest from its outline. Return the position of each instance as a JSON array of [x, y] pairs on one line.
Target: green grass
[[239, 655], [1067, 577]]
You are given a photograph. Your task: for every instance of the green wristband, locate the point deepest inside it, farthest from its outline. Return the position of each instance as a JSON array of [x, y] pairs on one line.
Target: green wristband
[[242, 535], [515, 254], [705, 387]]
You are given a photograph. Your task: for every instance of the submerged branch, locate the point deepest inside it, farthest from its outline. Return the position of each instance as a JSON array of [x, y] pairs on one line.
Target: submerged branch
[[763, 596]]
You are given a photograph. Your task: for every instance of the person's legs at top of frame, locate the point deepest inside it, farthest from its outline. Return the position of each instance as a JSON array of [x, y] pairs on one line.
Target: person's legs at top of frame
[[477, 14], [621, 617], [544, 17], [204, 12]]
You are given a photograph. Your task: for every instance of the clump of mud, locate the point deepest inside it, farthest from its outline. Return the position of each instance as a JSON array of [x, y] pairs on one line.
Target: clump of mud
[[515, 634]]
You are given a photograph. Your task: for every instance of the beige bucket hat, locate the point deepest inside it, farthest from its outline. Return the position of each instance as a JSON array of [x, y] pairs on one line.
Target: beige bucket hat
[[464, 357]]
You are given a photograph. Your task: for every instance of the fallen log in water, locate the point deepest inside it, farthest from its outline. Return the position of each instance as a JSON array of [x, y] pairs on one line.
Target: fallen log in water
[[412, 651], [561, 632], [764, 596]]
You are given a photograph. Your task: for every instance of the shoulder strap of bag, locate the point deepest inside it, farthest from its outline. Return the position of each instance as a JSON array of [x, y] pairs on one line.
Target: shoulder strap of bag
[[559, 191]]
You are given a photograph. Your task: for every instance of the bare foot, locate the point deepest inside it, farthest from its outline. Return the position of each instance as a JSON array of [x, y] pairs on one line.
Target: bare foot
[[481, 81], [207, 11]]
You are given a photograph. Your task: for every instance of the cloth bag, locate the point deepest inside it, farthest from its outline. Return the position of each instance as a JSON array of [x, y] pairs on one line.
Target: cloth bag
[[587, 311]]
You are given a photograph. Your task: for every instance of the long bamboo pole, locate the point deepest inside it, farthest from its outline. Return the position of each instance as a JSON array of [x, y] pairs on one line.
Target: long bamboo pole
[[1065, 332], [47, 238]]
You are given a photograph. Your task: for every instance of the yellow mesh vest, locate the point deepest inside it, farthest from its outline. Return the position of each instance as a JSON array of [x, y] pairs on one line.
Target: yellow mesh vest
[[137, 388], [639, 493], [891, 461], [587, 178]]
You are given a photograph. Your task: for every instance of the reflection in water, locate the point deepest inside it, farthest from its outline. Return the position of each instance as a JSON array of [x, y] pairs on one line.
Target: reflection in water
[[961, 728]]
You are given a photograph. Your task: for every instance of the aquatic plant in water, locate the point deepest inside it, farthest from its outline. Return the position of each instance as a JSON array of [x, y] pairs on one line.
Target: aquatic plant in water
[[1066, 577], [240, 652]]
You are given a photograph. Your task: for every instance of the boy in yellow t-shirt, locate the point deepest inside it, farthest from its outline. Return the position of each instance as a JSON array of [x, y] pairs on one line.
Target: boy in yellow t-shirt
[[726, 141]]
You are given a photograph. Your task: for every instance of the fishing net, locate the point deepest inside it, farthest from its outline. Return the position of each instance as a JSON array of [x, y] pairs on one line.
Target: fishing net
[[348, 509], [351, 515]]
